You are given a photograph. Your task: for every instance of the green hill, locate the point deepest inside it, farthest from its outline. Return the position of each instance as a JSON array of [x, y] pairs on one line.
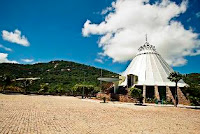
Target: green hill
[[55, 74]]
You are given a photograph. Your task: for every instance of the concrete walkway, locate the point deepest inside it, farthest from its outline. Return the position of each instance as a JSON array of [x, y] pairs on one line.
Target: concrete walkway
[[125, 104]]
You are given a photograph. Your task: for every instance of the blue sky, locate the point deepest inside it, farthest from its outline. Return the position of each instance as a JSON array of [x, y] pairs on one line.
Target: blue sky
[[53, 29]]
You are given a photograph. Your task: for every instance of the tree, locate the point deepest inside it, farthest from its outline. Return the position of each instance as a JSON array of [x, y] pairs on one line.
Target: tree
[[44, 88], [83, 89], [6, 81], [193, 90], [26, 85], [175, 77]]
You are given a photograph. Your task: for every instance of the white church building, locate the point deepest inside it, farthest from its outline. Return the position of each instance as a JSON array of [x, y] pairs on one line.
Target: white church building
[[149, 71]]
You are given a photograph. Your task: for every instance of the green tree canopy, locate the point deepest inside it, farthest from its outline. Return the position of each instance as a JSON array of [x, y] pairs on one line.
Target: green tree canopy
[[175, 77]]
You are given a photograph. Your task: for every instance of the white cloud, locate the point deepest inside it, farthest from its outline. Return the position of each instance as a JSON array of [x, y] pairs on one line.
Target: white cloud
[[124, 28], [198, 14], [105, 11], [15, 37], [4, 58], [27, 60], [5, 48], [177, 62], [99, 60]]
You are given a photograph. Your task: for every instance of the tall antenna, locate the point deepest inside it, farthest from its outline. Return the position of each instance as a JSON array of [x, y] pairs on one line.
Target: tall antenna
[[101, 81], [146, 37], [101, 77]]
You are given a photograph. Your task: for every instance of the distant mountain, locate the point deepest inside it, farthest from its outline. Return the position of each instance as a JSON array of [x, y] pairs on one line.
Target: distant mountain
[[64, 74]]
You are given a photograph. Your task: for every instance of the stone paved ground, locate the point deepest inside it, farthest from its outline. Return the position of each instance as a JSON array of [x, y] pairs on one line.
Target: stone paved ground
[[20, 114]]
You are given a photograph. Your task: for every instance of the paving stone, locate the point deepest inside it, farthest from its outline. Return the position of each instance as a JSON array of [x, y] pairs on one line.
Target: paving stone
[[28, 114]]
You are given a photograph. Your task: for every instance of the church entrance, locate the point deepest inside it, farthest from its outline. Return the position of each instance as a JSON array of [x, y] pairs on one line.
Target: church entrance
[[150, 92], [162, 92]]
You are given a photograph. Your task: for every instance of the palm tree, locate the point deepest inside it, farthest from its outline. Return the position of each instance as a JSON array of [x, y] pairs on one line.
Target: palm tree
[[175, 77]]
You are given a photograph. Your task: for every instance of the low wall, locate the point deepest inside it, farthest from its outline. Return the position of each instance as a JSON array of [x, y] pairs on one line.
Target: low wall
[[182, 98], [123, 98], [101, 95], [117, 97]]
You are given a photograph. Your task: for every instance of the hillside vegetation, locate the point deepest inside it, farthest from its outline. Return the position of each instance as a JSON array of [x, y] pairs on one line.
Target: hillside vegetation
[[66, 77], [55, 76], [193, 91]]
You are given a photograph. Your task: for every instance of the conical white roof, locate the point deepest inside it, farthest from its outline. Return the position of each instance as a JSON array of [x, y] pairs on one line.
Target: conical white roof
[[150, 68]]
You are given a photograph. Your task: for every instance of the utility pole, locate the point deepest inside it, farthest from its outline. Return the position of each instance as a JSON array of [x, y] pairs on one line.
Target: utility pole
[[146, 37], [83, 87], [101, 82]]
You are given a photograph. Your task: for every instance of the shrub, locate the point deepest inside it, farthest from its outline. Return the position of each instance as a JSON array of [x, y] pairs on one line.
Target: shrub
[[195, 101], [136, 93], [151, 100]]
